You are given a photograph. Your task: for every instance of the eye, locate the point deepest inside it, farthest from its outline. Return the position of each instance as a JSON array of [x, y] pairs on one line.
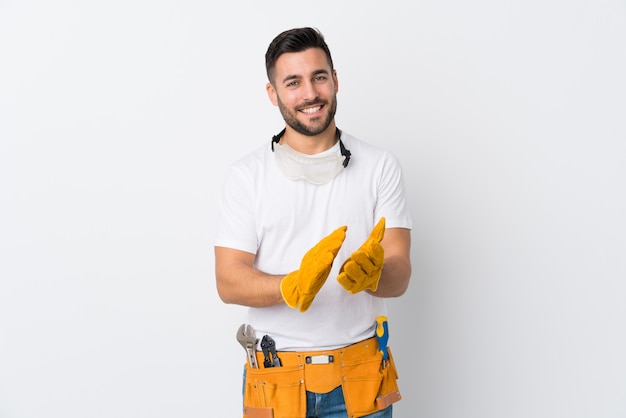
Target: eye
[[320, 78]]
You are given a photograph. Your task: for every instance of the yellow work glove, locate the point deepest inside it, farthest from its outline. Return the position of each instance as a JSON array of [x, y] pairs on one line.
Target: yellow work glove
[[363, 268], [299, 287]]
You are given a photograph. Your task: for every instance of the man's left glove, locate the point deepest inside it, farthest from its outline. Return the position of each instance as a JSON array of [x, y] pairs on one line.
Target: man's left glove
[[363, 268]]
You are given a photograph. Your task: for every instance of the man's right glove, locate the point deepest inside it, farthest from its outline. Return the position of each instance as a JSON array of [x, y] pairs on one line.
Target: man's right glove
[[299, 287], [362, 270]]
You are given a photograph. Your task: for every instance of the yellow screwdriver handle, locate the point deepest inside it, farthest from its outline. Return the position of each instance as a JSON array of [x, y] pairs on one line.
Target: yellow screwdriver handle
[[382, 335]]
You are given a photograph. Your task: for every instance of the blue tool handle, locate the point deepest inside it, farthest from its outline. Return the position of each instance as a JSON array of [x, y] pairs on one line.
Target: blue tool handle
[[382, 334]]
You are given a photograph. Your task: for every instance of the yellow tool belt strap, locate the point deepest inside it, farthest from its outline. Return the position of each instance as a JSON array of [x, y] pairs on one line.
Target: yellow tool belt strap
[[368, 384]]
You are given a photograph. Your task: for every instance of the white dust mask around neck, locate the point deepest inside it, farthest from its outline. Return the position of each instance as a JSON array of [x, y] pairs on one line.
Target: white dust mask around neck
[[317, 168]]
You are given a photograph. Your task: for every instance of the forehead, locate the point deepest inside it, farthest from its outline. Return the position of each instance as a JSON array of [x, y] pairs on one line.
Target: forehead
[[301, 63]]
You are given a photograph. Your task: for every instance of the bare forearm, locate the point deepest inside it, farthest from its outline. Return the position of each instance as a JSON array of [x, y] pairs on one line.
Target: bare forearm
[[238, 282], [395, 277]]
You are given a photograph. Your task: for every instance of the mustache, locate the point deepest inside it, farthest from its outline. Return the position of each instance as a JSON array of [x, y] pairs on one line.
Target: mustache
[[313, 103]]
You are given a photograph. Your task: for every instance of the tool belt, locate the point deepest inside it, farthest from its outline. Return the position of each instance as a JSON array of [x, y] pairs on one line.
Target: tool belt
[[368, 383]]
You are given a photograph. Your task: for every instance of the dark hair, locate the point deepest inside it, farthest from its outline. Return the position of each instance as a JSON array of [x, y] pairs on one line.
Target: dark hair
[[294, 40]]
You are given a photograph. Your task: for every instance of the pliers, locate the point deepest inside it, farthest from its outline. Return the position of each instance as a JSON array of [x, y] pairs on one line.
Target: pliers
[[269, 351]]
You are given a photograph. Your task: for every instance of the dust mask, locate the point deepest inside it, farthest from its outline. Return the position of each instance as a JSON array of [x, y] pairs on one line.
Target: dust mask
[[316, 169]]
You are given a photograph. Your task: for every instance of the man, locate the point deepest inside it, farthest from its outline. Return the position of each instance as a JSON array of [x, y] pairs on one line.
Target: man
[[312, 204]]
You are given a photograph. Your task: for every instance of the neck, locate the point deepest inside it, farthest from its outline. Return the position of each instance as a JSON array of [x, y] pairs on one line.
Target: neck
[[311, 144]]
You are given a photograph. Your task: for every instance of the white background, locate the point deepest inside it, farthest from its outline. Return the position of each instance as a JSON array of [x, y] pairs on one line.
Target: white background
[[119, 118]]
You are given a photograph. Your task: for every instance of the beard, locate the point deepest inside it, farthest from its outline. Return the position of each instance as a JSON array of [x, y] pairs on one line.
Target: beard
[[317, 127]]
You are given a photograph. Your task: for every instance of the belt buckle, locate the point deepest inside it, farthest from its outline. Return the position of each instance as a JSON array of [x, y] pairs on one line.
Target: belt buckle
[[324, 359]]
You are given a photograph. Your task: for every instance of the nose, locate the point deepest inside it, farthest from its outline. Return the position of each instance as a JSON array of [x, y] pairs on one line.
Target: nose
[[309, 91]]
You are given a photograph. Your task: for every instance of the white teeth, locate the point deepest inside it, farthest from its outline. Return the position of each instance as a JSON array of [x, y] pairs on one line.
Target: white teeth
[[311, 110]]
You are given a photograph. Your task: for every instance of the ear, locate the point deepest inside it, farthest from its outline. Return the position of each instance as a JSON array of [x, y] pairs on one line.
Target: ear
[[271, 93], [336, 81]]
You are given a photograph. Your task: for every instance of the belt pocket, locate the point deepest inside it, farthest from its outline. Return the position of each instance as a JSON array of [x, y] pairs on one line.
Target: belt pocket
[[367, 387], [389, 392], [274, 392]]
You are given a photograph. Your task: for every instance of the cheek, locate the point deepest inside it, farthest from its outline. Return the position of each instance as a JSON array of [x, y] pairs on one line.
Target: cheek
[[288, 98]]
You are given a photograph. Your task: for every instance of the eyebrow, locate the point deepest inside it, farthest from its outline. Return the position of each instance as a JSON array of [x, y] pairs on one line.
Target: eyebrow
[[294, 76]]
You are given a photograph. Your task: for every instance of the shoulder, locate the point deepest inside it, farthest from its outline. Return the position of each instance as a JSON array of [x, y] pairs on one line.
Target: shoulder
[[253, 159], [366, 151]]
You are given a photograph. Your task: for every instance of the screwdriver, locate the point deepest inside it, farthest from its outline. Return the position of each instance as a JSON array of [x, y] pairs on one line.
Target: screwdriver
[[382, 335]]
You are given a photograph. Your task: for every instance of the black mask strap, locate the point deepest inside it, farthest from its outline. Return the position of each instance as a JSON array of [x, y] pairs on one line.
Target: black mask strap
[[276, 138], [344, 151]]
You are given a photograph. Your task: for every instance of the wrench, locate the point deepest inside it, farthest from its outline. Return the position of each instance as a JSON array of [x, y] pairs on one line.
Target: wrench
[[248, 340]]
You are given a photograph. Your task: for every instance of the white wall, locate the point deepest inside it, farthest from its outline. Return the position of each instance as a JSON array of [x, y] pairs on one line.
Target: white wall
[[117, 122]]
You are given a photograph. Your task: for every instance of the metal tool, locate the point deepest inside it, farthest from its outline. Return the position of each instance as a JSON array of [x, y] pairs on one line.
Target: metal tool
[[269, 351], [248, 340], [382, 335]]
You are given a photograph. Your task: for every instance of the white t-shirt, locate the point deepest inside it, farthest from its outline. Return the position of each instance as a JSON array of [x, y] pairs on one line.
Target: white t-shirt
[[264, 213]]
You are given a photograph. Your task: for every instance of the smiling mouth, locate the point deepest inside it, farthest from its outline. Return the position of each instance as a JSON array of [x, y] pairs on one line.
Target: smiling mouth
[[311, 110]]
